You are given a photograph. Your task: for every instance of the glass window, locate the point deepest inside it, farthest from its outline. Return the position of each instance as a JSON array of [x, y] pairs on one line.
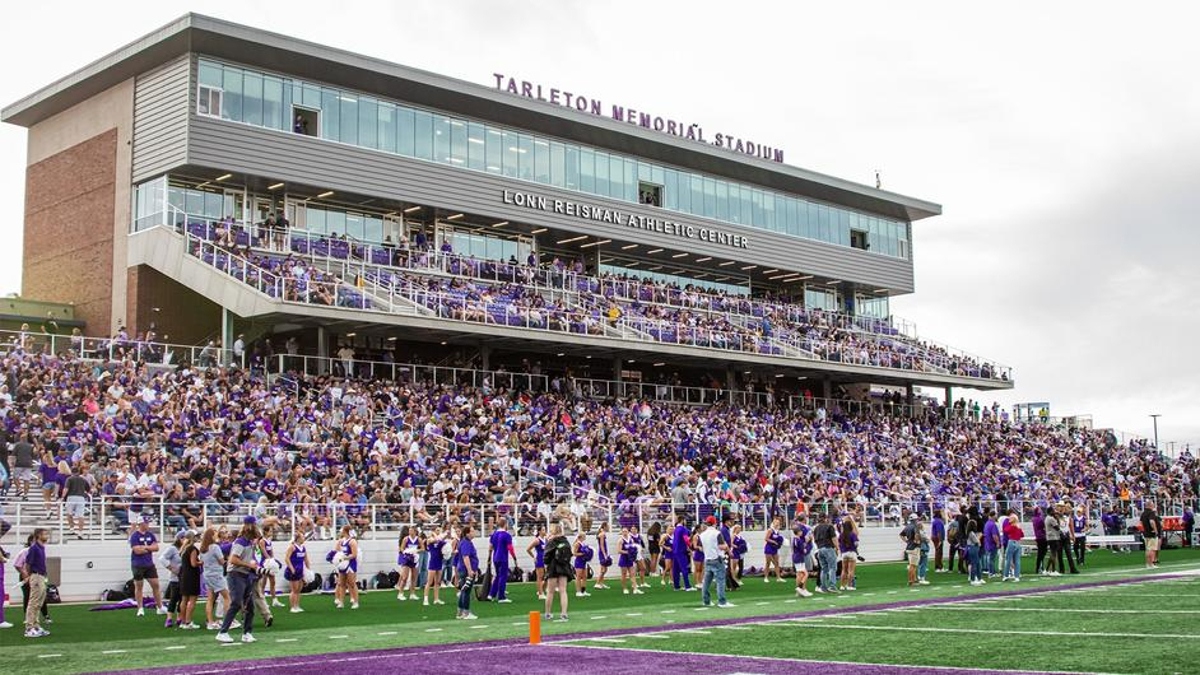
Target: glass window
[[525, 156], [368, 123], [210, 75], [476, 146], [335, 222], [312, 97], [602, 173], [616, 177], [441, 139], [405, 132], [330, 127], [495, 151], [424, 135], [541, 161], [252, 93], [273, 104], [387, 127], [722, 200], [349, 124], [512, 153], [710, 198], [233, 94], [315, 221], [558, 172], [458, 142], [587, 170], [354, 226], [571, 163]]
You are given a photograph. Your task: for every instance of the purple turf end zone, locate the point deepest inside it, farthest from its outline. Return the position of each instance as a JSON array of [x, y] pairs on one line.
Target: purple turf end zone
[[564, 654]]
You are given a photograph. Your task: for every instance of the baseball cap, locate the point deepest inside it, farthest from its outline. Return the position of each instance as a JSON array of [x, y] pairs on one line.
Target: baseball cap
[[249, 520], [711, 520], [185, 533]]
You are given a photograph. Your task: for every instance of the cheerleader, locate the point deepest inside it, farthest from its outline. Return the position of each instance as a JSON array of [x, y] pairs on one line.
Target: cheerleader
[[347, 568], [537, 551], [697, 552], [406, 562], [641, 557], [262, 572], [626, 560], [268, 549], [602, 555], [297, 570], [666, 557], [436, 546], [737, 552], [802, 550], [583, 555], [774, 541]]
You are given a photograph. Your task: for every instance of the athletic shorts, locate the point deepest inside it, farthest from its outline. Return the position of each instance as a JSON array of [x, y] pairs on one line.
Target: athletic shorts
[[914, 556], [76, 506], [1153, 543], [853, 555], [24, 473], [142, 573]]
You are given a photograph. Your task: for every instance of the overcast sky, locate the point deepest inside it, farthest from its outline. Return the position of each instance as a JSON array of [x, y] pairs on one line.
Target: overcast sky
[[1062, 139]]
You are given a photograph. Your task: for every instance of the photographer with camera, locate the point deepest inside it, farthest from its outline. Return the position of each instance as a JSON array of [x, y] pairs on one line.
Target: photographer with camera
[[716, 558]]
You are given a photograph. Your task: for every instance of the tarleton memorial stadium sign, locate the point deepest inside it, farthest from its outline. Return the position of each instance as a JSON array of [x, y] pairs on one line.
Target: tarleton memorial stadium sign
[[630, 115], [602, 214]]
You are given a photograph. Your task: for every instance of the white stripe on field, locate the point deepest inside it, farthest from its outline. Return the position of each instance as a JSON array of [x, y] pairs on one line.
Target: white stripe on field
[[386, 632], [174, 648], [49, 656], [287, 640], [1067, 610], [115, 651], [981, 631], [606, 639]]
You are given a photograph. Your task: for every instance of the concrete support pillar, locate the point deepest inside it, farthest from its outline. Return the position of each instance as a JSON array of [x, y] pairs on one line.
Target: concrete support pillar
[[949, 402], [909, 397], [730, 383], [227, 336], [485, 357], [323, 352], [826, 388]]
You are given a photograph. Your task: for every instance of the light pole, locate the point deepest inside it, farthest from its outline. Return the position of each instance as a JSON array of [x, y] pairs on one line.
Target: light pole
[[1155, 416]]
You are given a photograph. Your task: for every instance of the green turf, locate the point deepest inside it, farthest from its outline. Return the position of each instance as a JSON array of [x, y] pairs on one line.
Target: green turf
[[80, 637]]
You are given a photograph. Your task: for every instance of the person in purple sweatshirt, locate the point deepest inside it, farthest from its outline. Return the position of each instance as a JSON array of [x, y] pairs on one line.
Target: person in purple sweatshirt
[[991, 545], [500, 551], [1039, 536], [680, 549]]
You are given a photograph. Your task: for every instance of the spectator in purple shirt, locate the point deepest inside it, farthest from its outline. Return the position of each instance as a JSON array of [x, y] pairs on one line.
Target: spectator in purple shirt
[[500, 550], [991, 545], [143, 545], [35, 577]]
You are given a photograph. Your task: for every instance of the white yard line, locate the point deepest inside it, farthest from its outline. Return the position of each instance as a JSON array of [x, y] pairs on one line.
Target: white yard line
[[981, 631]]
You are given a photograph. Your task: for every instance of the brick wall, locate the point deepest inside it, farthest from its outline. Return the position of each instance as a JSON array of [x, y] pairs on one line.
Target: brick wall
[[69, 209]]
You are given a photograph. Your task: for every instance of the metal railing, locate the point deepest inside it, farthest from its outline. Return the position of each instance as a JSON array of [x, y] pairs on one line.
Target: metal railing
[[110, 518], [115, 348]]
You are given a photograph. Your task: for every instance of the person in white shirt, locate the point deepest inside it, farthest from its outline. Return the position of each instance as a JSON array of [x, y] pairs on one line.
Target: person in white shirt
[[716, 552]]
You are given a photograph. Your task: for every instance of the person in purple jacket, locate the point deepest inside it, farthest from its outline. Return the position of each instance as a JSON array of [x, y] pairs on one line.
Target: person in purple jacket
[[1039, 536], [991, 545], [500, 551], [937, 535], [680, 548], [468, 572]]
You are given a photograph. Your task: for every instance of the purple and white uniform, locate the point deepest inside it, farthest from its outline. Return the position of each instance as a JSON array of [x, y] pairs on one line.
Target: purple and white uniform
[[297, 558], [539, 553], [628, 552], [406, 558]]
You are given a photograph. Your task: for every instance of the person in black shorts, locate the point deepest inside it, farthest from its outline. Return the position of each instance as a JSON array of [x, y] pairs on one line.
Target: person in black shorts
[[143, 545]]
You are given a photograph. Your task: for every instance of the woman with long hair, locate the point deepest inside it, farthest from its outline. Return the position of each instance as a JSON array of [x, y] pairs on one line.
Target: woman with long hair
[[172, 558], [626, 559], [267, 547], [737, 552], [654, 546], [468, 572], [697, 551], [189, 581], [409, 549], [602, 556], [667, 556], [773, 542], [974, 573], [641, 557], [435, 544], [848, 549], [296, 570], [537, 550], [346, 557], [212, 561], [558, 571]]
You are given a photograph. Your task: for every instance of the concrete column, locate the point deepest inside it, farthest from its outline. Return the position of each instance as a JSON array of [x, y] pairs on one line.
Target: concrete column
[[485, 357], [909, 397], [730, 383], [949, 402], [826, 388], [618, 364], [227, 335], [322, 350]]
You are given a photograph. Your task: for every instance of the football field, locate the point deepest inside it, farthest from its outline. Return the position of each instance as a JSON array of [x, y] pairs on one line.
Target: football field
[[1115, 617]]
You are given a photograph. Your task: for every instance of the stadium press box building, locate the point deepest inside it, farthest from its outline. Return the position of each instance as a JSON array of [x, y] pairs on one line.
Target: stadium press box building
[[153, 171]]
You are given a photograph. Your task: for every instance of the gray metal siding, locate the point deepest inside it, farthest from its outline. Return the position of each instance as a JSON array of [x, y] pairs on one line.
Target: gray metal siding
[[161, 102], [275, 155]]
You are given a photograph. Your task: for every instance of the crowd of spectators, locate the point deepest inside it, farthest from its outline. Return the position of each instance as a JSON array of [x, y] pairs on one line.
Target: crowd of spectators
[[143, 434], [558, 294]]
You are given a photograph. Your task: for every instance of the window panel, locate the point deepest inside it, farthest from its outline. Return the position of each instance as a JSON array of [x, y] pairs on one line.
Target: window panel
[[210, 75], [571, 163], [406, 137], [368, 123], [424, 135], [252, 94], [476, 146], [525, 156], [512, 153], [495, 151], [458, 142], [558, 163], [273, 104], [541, 161], [232, 99], [349, 123], [587, 170], [441, 139], [387, 127], [330, 128], [601, 173]]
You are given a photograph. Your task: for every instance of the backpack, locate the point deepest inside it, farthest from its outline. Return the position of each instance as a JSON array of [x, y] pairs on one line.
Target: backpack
[[562, 553], [312, 585], [52, 596]]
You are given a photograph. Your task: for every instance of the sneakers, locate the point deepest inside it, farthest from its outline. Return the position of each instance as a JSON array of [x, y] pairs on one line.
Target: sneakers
[[503, 601], [691, 588], [426, 602], [269, 621], [439, 602], [36, 632], [190, 626], [624, 591], [413, 596], [820, 590], [354, 605], [224, 638], [296, 610], [141, 611], [235, 624], [213, 625], [168, 624], [638, 591], [803, 592], [923, 582], [850, 588], [338, 604], [161, 610], [562, 617], [469, 617], [248, 637], [276, 603], [5, 624], [723, 605]]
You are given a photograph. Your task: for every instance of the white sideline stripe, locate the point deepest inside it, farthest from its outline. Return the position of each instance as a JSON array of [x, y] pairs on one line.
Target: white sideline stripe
[[694, 631], [606, 639], [1067, 610], [735, 628], [634, 614], [433, 630], [761, 604], [597, 618], [518, 623], [338, 637], [815, 664], [288, 640], [49, 656], [477, 627], [1157, 595], [352, 659], [115, 651], [386, 632], [174, 647], [981, 631], [652, 636], [671, 611]]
